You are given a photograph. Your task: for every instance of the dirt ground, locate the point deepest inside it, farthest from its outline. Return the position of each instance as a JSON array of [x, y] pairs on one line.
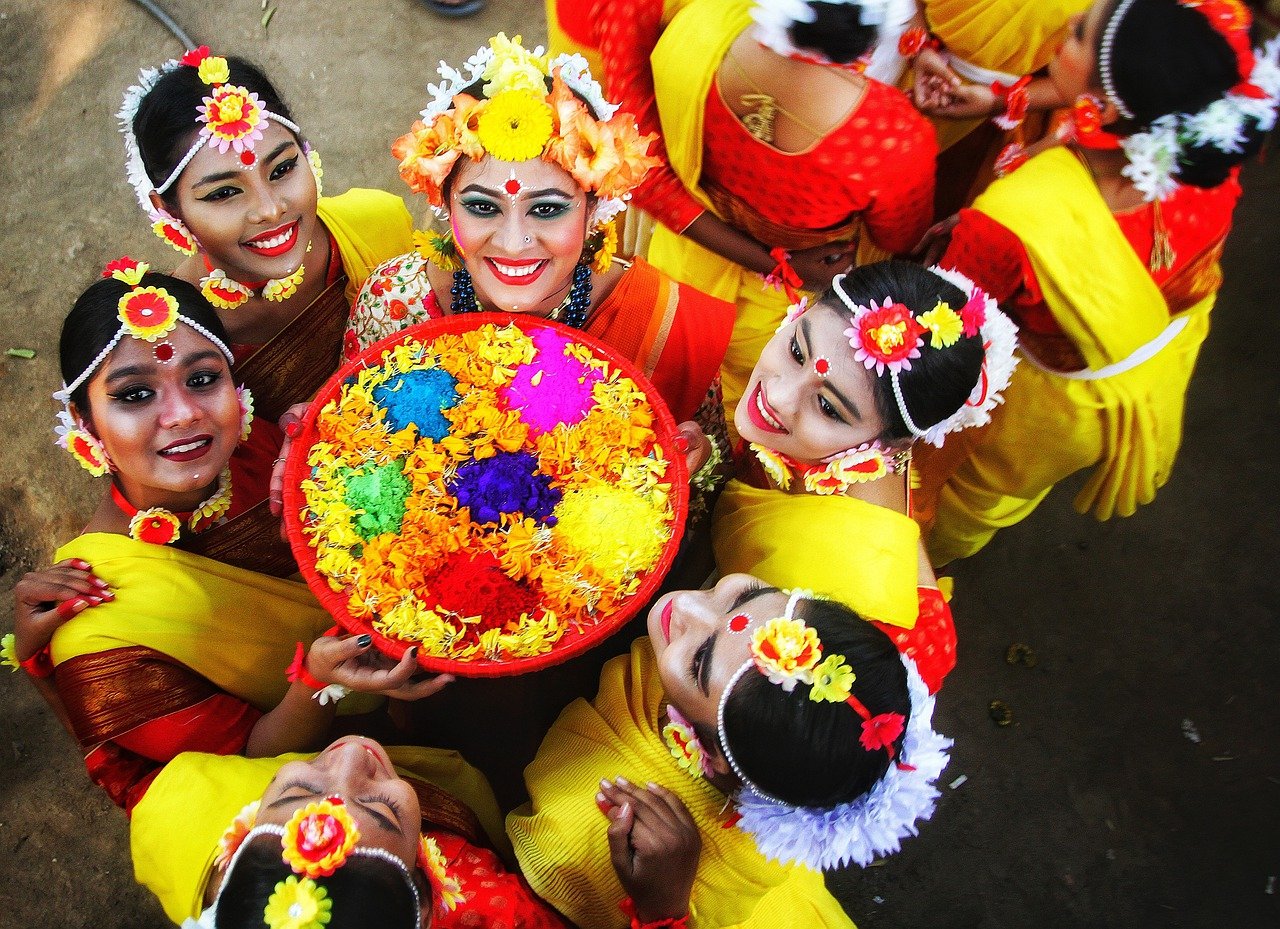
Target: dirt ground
[[1139, 783]]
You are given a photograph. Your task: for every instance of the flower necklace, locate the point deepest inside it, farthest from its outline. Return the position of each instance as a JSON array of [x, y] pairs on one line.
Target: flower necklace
[[572, 311], [160, 526], [225, 293], [868, 462]]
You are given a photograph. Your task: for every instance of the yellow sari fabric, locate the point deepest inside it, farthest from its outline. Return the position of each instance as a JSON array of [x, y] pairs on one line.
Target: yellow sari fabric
[[1128, 426], [560, 840], [1013, 36], [175, 828], [236, 628], [369, 226], [863, 555]]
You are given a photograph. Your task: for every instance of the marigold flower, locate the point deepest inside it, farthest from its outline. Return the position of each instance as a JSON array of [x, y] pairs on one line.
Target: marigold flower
[[319, 837], [943, 323], [786, 651], [515, 125]]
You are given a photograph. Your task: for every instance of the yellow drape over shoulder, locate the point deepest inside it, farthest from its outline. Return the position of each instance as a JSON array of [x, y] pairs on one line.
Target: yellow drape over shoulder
[[1093, 283], [863, 555], [236, 628], [175, 828], [1013, 36], [559, 836], [369, 226]]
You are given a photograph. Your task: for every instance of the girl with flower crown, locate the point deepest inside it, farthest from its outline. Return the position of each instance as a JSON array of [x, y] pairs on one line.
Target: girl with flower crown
[[893, 354], [355, 836], [529, 165], [172, 651], [753, 739], [227, 178], [1105, 251], [783, 152]]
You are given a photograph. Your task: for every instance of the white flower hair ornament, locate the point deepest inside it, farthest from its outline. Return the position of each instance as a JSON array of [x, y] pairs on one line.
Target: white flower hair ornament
[[231, 118], [874, 824], [887, 336]]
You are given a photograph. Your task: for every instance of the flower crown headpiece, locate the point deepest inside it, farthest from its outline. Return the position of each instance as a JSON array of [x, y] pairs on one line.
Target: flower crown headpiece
[[516, 119], [788, 652], [230, 118], [888, 336], [318, 840], [1154, 153], [146, 314]]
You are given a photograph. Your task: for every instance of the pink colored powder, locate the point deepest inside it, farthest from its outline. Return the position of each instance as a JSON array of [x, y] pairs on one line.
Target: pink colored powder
[[562, 393]]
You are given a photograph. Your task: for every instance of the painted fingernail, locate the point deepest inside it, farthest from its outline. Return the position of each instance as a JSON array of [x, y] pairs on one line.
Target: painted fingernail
[[605, 782], [108, 595], [293, 429], [99, 582], [364, 641], [413, 651], [93, 601], [623, 782], [651, 785], [601, 799], [681, 443], [80, 564]]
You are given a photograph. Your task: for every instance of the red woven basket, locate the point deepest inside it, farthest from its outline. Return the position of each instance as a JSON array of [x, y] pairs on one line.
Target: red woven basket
[[575, 641]]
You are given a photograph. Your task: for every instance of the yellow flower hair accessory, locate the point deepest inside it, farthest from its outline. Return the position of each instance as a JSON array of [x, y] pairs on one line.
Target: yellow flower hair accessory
[[441, 249], [832, 681], [518, 118], [319, 837], [944, 324], [786, 651], [9, 652], [444, 887], [298, 904], [602, 245]]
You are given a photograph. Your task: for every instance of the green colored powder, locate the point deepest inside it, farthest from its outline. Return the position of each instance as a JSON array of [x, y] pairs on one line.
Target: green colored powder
[[378, 495]]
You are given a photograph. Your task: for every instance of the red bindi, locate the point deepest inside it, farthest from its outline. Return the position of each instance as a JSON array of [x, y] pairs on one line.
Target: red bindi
[[738, 622], [247, 158], [512, 186], [163, 352], [822, 366]]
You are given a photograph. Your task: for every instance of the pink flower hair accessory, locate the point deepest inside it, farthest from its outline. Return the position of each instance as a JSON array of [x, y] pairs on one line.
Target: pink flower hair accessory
[[883, 337]]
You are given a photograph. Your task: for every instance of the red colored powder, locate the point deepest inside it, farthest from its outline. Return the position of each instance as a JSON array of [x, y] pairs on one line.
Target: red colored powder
[[477, 586]]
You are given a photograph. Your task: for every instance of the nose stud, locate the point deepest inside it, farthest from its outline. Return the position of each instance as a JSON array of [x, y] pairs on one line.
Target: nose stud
[[528, 239]]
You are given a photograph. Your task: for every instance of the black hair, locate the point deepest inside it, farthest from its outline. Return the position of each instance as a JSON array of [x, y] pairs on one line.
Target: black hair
[[809, 753], [1166, 58], [165, 124], [366, 891], [940, 381], [94, 320], [837, 31]]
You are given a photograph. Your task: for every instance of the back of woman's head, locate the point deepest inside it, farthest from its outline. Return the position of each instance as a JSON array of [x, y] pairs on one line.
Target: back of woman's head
[[366, 892], [941, 380], [94, 320], [1166, 58], [165, 123], [838, 31], [809, 753]]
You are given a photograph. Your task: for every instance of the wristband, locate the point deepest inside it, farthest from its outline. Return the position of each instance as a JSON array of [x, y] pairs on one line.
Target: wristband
[[628, 907], [915, 40], [39, 664], [297, 671], [1014, 100]]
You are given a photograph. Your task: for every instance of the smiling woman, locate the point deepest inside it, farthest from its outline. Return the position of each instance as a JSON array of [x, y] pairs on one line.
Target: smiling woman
[[529, 164], [228, 179]]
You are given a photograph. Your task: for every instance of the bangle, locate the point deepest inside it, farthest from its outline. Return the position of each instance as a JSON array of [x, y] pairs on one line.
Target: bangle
[[39, 664], [297, 671], [628, 907], [1013, 101], [915, 40]]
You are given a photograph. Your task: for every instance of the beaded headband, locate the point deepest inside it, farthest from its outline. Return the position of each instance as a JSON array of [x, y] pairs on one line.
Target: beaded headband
[[231, 118], [872, 824], [516, 119], [319, 839], [887, 336], [1104, 58], [146, 313]]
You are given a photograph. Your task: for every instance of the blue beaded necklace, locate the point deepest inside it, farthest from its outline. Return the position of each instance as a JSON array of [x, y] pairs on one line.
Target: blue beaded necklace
[[572, 312]]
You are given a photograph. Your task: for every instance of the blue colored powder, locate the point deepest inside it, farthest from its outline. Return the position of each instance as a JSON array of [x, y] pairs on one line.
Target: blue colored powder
[[508, 482], [417, 399]]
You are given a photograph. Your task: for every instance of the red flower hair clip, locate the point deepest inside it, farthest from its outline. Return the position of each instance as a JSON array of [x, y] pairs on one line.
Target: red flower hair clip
[[880, 731], [885, 336], [319, 837]]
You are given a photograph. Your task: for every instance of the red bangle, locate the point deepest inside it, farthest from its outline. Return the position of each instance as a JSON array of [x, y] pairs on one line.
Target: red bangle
[[39, 664], [915, 40], [628, 907], [297, 671]]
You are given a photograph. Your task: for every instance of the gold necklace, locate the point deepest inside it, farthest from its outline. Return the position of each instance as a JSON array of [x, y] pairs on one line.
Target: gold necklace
[[763, 109]]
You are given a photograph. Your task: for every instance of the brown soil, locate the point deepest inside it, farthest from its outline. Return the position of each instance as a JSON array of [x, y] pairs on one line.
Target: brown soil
[[1094, 808]]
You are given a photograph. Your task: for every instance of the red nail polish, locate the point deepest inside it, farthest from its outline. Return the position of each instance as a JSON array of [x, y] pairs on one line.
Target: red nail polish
[[293, 429], [682, 443]]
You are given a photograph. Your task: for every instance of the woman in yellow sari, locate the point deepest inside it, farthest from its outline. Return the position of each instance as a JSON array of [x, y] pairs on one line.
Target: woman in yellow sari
[[762, 763], [185, 653], [1106, 253]]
